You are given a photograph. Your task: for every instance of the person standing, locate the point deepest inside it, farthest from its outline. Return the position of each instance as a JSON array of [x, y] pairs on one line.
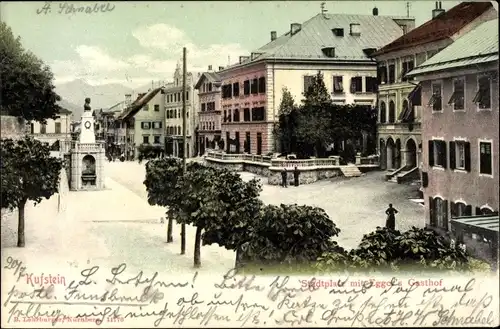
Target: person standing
[[283, 178], [296, 174], [391, 217]]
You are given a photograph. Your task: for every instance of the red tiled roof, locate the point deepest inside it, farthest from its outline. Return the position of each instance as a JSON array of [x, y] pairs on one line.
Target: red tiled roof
[[442, 27]]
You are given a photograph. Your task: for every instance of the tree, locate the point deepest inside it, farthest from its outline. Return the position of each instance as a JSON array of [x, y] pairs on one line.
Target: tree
[[161, 181], [287, 122], [317, 94], [27, 84], [29, 172]]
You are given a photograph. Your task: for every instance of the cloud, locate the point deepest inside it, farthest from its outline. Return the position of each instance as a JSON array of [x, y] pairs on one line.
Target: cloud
[[160, 54]]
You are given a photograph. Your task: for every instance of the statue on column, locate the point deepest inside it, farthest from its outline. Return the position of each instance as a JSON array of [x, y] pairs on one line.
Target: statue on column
[[86, 107]]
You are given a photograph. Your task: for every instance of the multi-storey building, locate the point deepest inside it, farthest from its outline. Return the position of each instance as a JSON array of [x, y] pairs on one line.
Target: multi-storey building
[[173, 115], [142, 122], [338, 45], [460, 128], [209, 114], [399, 127], [55, 131]]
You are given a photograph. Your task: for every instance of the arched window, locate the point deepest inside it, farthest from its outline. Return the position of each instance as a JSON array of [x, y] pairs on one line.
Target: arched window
[[383, 115], [178, 130], [486, 210], [392, 112], [404, 110], [460, 209]]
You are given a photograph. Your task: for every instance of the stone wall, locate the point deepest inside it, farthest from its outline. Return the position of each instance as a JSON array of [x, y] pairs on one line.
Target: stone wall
[[12, 127], [306, 176]]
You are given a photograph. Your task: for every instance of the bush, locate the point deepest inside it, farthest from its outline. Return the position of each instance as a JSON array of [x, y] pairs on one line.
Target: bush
[[148, 152]]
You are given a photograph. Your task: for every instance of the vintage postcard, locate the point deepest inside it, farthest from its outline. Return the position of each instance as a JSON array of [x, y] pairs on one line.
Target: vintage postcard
[[249, 164]]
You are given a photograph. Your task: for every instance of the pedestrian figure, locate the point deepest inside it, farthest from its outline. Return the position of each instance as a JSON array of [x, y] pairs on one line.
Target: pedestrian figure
[[391, 217], [296, 174], [283, 178]]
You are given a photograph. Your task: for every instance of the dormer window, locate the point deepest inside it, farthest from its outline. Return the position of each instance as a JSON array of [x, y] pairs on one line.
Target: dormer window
[[355, 29], [329, 52], [339, 32]]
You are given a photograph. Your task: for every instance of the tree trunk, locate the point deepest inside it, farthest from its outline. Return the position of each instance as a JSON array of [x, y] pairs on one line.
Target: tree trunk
[[20, 225], [183, 239], [170, 228], [197, 247]]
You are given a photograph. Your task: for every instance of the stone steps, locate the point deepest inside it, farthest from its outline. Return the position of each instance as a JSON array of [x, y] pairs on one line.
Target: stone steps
[[350, 171]]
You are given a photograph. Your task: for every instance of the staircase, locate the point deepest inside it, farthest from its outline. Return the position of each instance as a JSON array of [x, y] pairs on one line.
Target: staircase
[[401, 175], [350, 171]]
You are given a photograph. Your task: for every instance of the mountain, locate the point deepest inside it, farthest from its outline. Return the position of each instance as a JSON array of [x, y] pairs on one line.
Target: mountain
[[102, 96], [77, 110]]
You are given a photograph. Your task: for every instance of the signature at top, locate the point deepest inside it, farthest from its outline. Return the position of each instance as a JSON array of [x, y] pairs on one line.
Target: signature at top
[[69, 8]]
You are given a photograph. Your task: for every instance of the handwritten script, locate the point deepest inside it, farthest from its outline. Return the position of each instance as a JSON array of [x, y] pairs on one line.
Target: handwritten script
[[100, 296], [68, 8]]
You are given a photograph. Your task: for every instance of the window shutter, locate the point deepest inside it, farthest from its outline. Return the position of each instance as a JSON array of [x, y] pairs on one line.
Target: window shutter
[[425, 179], [453, 208], [444, 155], [468, 210], [478, 211], [431, 153], [467, 156], [432, 219], [445, 214], [452, 156]]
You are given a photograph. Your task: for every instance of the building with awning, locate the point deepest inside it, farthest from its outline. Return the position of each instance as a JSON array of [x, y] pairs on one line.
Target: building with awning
[[460, 125], [399, 94], [480, 234]]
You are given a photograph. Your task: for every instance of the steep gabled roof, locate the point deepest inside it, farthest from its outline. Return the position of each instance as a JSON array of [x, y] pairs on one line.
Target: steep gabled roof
[[209, 76], [441, 27], [141, 100], [479, 45], [317, 33]]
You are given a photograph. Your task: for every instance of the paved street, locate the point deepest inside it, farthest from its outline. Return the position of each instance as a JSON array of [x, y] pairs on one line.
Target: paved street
[[118, 225]]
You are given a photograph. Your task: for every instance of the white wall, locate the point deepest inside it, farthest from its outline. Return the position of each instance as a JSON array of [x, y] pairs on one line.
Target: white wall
[[65, 121], [292, 77]]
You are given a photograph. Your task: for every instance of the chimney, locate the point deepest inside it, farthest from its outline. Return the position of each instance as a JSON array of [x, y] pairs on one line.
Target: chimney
[[210, 67], [273, 35], [438, 10], [294, 28], [128, 99], [375, 11]]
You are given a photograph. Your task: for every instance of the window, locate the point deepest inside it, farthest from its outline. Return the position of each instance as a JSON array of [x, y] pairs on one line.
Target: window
[[146, 125], [203, 106], [258, 114], [460, 209], [382, 75], [43, 128], [404, 70], [392, 73], [246, 146], [338, 85], [58, 128], [187, 95], [224, 117], [145, 139], [382, 112], [157, 108], [460, 155], [254, 87], [437, 153], [211, 106], [157, 125], [236, 89], [483, 96], [246, 114], [339, 32], [146, 107], [485, 211], [32, 128], [227, 91], [262, 85], [371, 85], [308, 82], [457, 98], [435, 100], [179, 130], [229, 116], [246, 87], [392, 112], [156, 139], [209, 86], [355, 29], [356, 85], [236, 115], [439, 213], [485, 158]]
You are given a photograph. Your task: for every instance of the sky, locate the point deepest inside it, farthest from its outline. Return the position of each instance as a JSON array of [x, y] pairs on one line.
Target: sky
[[135, 42]]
